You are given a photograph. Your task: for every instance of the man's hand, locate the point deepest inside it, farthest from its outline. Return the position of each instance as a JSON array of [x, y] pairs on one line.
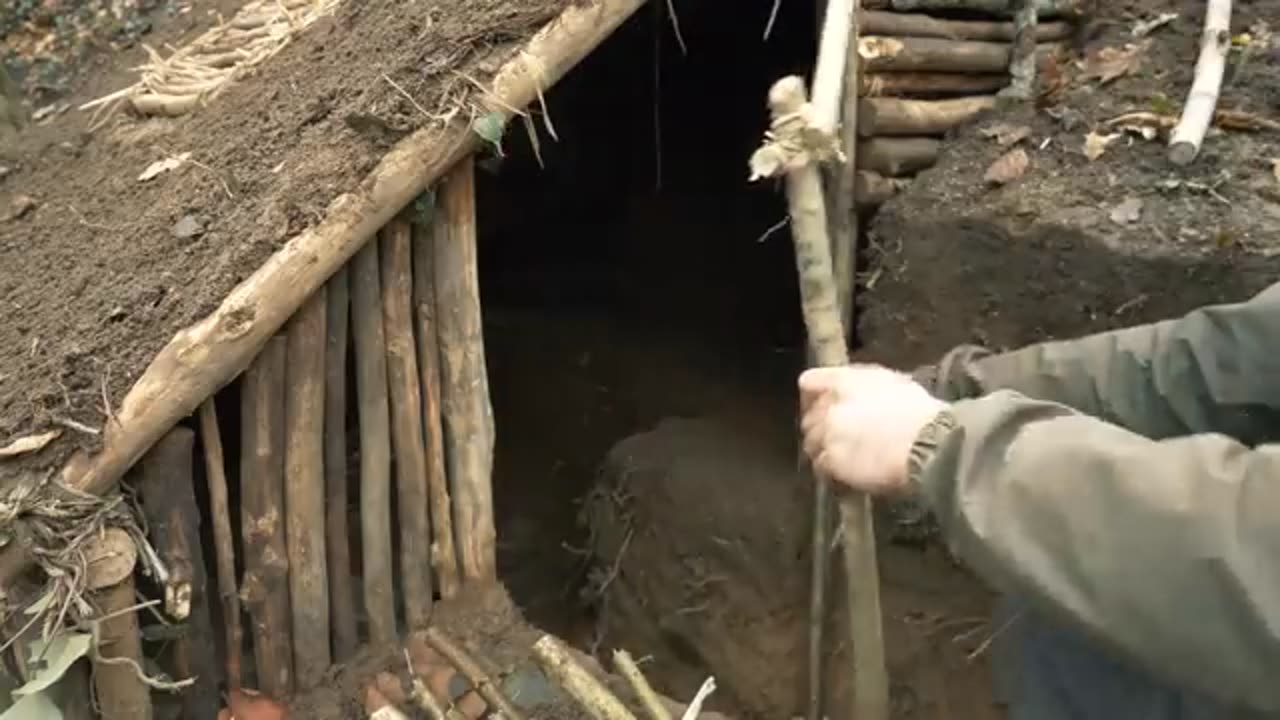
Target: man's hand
[[860, 422]]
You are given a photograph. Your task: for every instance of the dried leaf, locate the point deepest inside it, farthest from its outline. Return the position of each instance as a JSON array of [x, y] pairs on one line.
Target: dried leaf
[[158, 167], [491, 127], [28, 444], [1095, 145], [1006, 134], [1127, 212], [1275, 168], [1109, 63], [53, 659], [1008, 167], [36, 706]]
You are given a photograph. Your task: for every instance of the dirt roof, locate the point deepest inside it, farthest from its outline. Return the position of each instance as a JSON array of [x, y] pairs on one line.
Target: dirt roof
[[98, 269]]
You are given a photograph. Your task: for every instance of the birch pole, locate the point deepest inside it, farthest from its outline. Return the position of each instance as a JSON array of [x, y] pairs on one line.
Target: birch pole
[[1197, 113], [802, 135]]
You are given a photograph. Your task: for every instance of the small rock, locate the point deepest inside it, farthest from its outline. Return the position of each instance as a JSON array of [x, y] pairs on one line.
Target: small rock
[[22, 204], [4, 171], [187, 228], [1129, 211]]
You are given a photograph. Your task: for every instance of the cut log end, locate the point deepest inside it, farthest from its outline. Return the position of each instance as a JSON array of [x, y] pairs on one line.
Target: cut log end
[[1183, 153]]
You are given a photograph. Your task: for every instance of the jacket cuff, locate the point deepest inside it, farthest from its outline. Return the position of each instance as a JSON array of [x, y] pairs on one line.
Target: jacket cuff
[[926, 445]]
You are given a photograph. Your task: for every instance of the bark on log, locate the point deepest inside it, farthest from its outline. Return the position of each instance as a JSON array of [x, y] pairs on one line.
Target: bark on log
[[223, 539], [337, 534], [169, 502], [305, 490], [412, 507], [205, 356], [877, 22], [896, 116], [924, 54], [468, 414], [1046, 8], [444, 554], [898, 156], [265, 591], [375, 444], [932, 84], [119, 690], [872, 189]]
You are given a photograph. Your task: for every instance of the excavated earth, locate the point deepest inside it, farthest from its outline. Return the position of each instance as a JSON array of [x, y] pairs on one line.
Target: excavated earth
[[98, 269], [1076, 245]]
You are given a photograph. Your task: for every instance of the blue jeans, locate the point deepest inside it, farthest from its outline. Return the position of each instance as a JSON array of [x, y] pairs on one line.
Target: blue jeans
[[1044, 671]]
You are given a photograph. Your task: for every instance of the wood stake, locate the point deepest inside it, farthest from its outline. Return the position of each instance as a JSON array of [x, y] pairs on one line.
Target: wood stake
[[897, 116], [443, 552], [120, 692], [375, 443], [1197, 113], [877, 22], [412, 507], [923, 54], [820, 302], [468, 415], [337, 534], [930, 84], [210, 353], [223, 539], [265, 590], [898, 156], [305, 491], [1022, 57], [169, 502]]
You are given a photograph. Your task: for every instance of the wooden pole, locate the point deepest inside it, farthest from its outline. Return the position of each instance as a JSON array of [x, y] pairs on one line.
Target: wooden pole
[[443, 552], [899, 116], [1022, 56], [337, 534], [375, 443], [412, 507], [932, 84], [120, 692], [169, 502], [898, 156], [305, 492], [205, 356], [223, 538], [820, 302], [927, 54], [468, 416], [262, 506], [878, 22], [1197, 113]]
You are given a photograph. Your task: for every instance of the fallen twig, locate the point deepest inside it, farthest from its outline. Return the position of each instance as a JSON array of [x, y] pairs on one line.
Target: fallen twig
[[468, 666], [630, 672], [695, 706], [1185, 140], [590, 693]]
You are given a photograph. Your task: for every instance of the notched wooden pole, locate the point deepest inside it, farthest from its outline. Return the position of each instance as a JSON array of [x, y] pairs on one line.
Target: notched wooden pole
[[120, 692], [337, 533], [223, 539]]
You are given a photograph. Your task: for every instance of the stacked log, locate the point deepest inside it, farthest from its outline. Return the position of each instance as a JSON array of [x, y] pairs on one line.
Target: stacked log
[[925, 74]]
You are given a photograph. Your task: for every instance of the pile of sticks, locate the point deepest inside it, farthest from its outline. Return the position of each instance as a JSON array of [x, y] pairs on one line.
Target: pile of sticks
[[924, 74], [421, 397]]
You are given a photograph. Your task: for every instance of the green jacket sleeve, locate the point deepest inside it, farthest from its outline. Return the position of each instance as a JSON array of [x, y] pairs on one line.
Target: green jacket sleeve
[[1168, 551], [1217, 369]]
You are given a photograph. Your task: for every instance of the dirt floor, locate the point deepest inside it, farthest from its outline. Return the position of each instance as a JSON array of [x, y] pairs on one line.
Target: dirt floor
[[94, 275], [1076, 245]]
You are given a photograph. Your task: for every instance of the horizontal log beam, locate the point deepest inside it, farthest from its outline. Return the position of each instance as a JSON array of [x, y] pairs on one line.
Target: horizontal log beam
[[899, 116], [1044, 8], [898, 156], [878, 22], [925, 54]]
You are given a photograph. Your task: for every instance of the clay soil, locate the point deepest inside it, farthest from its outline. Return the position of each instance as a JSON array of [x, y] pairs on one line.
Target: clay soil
[[1075, 245], [94, 280]]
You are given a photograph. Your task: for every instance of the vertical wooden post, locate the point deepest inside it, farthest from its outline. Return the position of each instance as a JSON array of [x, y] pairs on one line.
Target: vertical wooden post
[[305, 490], [169, 502], [120, 692], [266, 566], [468, 416], [375, 445], [406, 427], [341, 601], [223, 540], [443, 552]]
